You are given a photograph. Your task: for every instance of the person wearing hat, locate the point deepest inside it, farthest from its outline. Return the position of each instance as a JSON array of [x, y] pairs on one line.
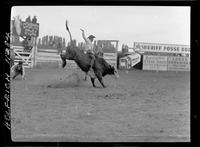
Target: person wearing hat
[[18, 69], [89, 48]]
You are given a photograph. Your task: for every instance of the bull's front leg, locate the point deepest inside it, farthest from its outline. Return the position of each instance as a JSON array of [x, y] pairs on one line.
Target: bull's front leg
[[63, 60], [99, 76], [93, 80], [101, 81], [85, 76]]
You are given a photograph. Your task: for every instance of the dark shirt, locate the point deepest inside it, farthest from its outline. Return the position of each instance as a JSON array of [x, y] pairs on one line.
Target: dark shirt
[[34, 20], [19, 69]]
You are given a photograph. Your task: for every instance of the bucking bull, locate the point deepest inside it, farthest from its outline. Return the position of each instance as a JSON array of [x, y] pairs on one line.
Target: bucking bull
[[101, 67]]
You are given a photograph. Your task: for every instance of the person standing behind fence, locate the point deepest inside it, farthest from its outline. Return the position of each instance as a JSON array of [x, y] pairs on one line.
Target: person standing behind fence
[[18, 69], [28, 19], [34, 20]]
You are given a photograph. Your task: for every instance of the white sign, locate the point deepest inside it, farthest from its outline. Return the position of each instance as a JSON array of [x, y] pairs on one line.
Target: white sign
[[123, 63], [179, 63], [155, 62], [135, 58], [156, 47]]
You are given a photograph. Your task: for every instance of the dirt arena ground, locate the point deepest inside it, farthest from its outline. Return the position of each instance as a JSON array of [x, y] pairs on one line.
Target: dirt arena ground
[[140, 106]]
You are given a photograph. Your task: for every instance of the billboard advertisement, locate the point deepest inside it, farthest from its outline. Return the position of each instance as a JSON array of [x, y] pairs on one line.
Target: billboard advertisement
[[178, 63], [164, 48], [23, 28], [130, 60], [155, 63]]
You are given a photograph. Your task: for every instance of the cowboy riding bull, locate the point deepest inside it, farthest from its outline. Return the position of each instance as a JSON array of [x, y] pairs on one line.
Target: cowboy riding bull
[[87, 62]]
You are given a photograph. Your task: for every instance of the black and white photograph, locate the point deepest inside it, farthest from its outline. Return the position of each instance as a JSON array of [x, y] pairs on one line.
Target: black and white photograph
[[100, 73]]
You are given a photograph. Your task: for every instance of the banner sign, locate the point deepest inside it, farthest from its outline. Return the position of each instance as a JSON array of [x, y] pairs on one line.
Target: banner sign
[[30, 29], [155, 62], [178, 63], [23, 28], [156, 47]]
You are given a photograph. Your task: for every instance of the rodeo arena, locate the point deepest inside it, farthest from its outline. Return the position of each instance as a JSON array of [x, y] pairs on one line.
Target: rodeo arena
[[135, 94]]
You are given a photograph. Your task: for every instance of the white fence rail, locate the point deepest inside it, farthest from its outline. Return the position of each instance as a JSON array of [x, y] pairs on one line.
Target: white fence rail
[[51, 56], [25, 57]]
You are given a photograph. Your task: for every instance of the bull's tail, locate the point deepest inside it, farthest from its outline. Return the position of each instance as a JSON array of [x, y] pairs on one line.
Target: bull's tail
[[66, 23]]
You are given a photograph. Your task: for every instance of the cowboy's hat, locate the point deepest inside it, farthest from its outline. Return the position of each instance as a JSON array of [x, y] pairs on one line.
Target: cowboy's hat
[[91, 36]]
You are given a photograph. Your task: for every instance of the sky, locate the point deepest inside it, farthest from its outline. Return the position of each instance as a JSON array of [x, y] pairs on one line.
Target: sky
[[128, 24]]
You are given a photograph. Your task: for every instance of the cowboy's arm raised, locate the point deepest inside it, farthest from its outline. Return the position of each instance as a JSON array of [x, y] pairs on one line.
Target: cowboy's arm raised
[[83, 34]]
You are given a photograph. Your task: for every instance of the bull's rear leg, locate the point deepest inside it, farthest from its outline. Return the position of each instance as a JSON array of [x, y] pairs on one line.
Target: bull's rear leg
[[92, 80]]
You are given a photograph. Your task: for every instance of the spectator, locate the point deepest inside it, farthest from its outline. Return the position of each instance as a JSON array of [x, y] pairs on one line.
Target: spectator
[[28, 19], [34, 20], [18, 69]]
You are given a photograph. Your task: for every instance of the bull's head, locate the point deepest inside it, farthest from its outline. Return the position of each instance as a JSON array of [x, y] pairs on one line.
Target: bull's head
[[113, 71]]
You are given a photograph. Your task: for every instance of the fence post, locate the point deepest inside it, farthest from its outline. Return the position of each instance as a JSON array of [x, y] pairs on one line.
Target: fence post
[[34, 52], [116, 51]]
